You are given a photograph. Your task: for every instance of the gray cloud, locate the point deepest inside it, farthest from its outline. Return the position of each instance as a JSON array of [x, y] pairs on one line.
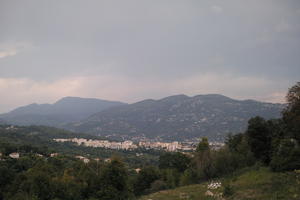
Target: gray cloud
[[151, 43]]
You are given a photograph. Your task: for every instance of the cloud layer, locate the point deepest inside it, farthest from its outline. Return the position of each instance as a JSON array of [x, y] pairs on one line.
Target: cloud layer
[[130, 50]]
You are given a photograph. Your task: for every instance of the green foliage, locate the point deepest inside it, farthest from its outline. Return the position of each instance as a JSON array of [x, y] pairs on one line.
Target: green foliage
[[233, 141], [171, 177], [62, 177], [188, 177], [287, 156], [177, 161], [259, 139], [228, 190], [158, 185], [203, 160], [291, 115], [286, 143], [237, 154], [203, 145], [145, 178], [251, 184], [6, 177], [114, 181]]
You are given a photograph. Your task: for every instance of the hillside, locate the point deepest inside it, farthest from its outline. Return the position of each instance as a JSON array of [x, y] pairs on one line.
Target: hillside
[[42, 137], [178, 117], [65, 110], [2, 121], [251, 185]]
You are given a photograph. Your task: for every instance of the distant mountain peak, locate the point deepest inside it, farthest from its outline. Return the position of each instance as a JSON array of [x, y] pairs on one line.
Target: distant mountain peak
[[65, 110], [175, 97], [213, 96], [81, 99]]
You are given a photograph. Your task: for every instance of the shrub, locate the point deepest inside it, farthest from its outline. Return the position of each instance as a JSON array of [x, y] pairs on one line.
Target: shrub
[[228, 190]]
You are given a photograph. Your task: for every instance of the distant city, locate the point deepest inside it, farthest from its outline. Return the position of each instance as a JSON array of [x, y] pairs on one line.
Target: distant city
[[130, 145]]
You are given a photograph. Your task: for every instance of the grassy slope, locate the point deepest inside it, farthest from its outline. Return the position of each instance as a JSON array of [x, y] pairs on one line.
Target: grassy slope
[[254, 184]]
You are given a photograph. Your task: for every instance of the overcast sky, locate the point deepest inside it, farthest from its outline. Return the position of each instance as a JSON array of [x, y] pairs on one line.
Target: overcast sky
[[137, 49]]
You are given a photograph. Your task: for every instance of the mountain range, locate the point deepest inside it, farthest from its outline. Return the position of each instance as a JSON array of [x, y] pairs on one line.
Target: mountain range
[[178, 117]]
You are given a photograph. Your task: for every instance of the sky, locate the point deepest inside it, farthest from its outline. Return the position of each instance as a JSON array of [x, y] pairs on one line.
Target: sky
[[139, 49]]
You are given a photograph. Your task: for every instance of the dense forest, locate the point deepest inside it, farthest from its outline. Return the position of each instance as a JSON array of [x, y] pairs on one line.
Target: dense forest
[[36, 175]]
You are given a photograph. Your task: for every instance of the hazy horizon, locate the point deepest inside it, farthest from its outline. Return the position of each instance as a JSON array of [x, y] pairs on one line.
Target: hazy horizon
[[133, 50], [116, 100]]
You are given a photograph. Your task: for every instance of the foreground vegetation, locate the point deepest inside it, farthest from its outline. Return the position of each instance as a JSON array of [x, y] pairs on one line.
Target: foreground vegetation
[[249, 184]]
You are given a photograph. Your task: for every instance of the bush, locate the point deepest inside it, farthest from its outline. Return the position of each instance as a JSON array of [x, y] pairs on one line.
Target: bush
[[144, 179], [287, 156], [188, 177], [228, 190], [177, 161], [171, 177], [158, 185]]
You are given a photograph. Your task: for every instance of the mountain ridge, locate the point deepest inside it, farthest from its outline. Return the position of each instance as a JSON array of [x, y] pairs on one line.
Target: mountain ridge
[[177, 117], [64, 110]]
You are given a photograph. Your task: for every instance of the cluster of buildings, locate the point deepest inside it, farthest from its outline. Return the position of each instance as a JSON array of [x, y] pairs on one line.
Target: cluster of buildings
[[11, 128], [216, 145], [168, 146], [129, 145]]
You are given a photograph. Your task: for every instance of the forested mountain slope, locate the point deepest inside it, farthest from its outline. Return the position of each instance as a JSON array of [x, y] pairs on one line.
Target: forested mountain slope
[[178, 117]]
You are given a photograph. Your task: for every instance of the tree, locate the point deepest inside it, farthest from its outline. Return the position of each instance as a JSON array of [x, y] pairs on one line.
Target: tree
[[114, 181], [287, 156], [291, 114], [157, 186], [203, 159], [188, 177], [145, 178], [6, 176], [259, 139], [286, 143], [40, 185], [203, 145], [233, 141], [177, 161], [171, 177]]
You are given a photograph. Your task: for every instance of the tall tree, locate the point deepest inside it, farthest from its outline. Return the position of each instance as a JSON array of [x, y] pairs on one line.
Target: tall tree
[[114, 181], [203, 145], [286, 155], [291, 114], [259, 138]]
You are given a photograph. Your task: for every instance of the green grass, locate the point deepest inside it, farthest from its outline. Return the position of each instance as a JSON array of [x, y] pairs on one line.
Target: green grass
[[264, 184], [190, 192], [254, 184]]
